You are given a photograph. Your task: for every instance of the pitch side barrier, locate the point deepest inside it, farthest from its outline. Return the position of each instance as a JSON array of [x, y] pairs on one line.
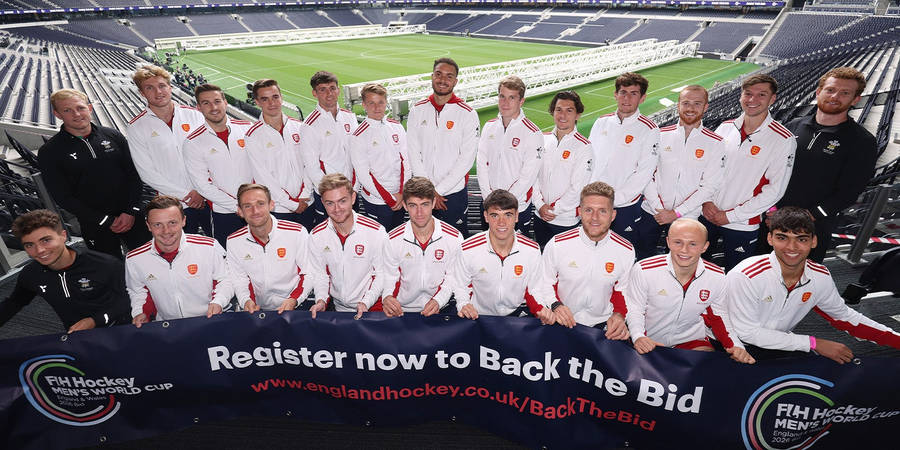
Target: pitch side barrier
[[543, 74], [282, 37]]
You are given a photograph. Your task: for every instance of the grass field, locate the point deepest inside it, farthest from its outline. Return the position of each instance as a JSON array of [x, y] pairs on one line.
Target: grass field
[[369, 59]]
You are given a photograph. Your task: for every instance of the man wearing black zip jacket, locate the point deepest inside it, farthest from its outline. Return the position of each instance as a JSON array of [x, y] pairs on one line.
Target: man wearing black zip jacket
[[89, 172], [84, 287], [835, 156]]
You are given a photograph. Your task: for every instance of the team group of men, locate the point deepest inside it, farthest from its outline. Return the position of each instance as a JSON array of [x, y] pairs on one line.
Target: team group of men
[[278, 202]]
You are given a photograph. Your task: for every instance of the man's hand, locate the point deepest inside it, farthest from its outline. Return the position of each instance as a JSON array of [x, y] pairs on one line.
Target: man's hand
[[360, 309], [289, 304], [391, 306], [665, 216], [545, 214], [250, 306], [122, 224], [468, 312], [194, 199], [616, 328], [319, 306], [440, 202], [740, 355], [833, 350], [302, 204], [213, 309], [546, 315], [719, 218], [710, 209], [564, 316], [84, 324], [431, 308], [645, 345], [714, 214], [140, 319], [398, 202]]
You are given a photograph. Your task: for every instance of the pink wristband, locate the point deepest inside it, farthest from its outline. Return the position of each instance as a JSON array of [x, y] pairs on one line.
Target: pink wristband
[[812, 343], [677, 214], [772, 209]]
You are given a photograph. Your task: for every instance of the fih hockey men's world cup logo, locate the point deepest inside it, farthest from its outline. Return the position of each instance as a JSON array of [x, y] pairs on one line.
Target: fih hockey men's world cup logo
[[795, 411], [65, 394]]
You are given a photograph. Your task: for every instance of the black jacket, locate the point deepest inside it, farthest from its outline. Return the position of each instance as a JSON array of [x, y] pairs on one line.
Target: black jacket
[[93, 286], [832, 166], [93, 178]]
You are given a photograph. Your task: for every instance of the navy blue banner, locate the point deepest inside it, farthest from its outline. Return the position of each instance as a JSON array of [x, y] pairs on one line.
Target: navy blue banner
[[538, 385]]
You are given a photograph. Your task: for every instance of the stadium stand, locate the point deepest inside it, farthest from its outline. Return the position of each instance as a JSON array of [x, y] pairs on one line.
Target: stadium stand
[[58, 35], [804, 32], [106, 30], [663, 30], [712, 13], [159, 27], [544, 30], [308, 19], [379, 16], [605, 29], [345, 17], [215, 24], [504, 27], [418, 18], [445, 21], [723, 37], [265, 21]]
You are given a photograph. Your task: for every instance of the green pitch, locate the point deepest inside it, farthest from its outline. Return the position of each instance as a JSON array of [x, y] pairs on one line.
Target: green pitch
[[360, 60]]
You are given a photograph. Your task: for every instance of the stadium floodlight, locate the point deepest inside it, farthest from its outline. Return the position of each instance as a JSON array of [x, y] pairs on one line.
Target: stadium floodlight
[[543, 74], [282, 37]]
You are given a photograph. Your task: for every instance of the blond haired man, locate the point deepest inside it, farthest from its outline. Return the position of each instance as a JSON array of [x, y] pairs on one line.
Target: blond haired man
[[156, 136], [88, 171]]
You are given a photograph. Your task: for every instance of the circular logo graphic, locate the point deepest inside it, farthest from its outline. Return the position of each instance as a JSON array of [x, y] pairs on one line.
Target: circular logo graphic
[[64, 393]]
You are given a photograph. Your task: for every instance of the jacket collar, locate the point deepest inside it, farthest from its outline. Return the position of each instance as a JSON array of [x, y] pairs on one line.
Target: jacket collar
[[630, 119]]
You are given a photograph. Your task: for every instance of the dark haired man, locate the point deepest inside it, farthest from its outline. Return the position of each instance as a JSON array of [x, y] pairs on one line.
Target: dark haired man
[[418, 256], [215, 155], [324, 138], [759, 153], [769, 294], [273, 148], [85, 288], [493, 271], [443, 138], [184, 275], [268, 258], [565, 170], [624, 145]]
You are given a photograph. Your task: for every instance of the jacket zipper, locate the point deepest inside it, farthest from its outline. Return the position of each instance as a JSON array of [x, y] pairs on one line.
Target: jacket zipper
[[65, 288], [90, 149], [813, 141]]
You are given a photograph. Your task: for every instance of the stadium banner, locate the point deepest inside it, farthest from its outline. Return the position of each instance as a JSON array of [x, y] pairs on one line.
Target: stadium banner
[[538, 385]]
